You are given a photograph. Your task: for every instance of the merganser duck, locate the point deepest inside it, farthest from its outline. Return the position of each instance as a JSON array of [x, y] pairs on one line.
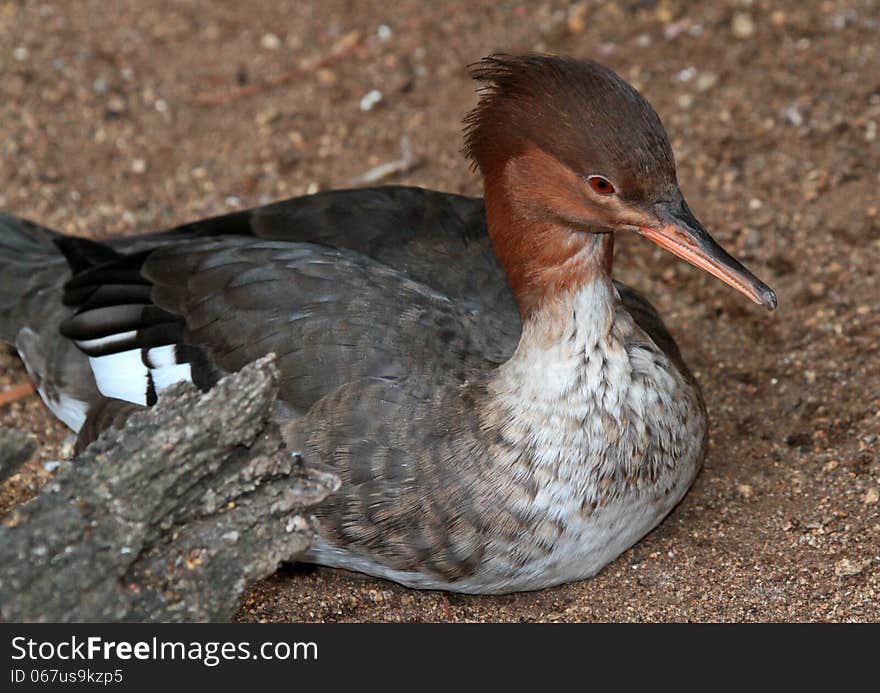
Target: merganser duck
[[503, 415]]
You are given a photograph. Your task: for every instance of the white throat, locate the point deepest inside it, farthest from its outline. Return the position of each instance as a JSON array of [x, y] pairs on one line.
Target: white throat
[[555, 356]]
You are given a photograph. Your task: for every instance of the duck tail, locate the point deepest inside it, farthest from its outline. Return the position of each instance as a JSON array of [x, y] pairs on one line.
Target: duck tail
[[30, 263]]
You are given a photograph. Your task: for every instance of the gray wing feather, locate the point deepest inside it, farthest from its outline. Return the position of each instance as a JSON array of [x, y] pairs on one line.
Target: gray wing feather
[[331, 316]]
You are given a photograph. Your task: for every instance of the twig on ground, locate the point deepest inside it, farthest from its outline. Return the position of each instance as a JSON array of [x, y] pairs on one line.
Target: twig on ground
[[16, 392], [348, 45], [406, 163]]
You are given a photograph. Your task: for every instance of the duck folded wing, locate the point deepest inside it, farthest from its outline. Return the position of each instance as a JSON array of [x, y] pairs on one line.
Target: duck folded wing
[[439, 239], [329, 315]]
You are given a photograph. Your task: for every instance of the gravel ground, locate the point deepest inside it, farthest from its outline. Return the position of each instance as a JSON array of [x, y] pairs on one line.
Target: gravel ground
[[130, 116]]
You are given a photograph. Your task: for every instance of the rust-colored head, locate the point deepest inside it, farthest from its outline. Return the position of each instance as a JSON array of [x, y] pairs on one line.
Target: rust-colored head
[[569, 151]]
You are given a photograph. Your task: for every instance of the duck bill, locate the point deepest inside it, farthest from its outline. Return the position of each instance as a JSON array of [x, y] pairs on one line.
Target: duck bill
[[681, 234]]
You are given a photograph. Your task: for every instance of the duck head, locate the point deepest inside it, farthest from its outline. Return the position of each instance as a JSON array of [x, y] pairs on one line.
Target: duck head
[[570, 153]]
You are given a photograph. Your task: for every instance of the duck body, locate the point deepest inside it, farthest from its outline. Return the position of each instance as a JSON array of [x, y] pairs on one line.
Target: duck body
[[502, 414], [476, 454]]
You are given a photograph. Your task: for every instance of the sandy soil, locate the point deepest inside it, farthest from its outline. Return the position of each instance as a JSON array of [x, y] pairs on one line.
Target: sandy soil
[[134, 118]]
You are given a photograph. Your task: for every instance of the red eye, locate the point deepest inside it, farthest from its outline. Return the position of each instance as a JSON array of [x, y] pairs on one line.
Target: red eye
[[601, 185]]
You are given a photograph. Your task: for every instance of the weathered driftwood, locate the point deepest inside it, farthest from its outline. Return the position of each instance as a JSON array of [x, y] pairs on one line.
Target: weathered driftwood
[[167, 519], [16, 448]]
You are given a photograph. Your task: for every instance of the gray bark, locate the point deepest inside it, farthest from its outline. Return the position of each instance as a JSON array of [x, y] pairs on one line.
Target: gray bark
[[169, 517], [16, 448]]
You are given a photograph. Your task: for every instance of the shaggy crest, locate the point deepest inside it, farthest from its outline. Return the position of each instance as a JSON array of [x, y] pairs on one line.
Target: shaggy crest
[[578, 111]]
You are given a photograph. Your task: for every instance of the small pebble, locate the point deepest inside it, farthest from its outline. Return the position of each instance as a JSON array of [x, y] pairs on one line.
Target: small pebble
[[663, 13], [383, 32], [793, 116], [687, 74], [685, 101], [138, 166], [264, 118], [742, 25], [577, 18], [752, 238], [326, 77], [831, 465], [21, 54], [706, 81], [872, 496], [116, 103], [270, 42], [370, 100], [673, 31]]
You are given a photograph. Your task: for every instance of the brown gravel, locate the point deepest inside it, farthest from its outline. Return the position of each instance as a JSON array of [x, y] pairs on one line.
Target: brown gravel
[[773, 108]]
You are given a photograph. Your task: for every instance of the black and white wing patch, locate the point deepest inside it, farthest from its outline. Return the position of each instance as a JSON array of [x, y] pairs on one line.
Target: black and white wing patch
[[135, 349]]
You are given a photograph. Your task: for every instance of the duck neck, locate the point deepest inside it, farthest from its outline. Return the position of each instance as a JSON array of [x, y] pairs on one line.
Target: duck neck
[[560, 368], [575, 322], [566, 298], [568, 331]]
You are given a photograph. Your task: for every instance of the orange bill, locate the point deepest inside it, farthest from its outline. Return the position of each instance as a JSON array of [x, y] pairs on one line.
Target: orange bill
[[679, 232]]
